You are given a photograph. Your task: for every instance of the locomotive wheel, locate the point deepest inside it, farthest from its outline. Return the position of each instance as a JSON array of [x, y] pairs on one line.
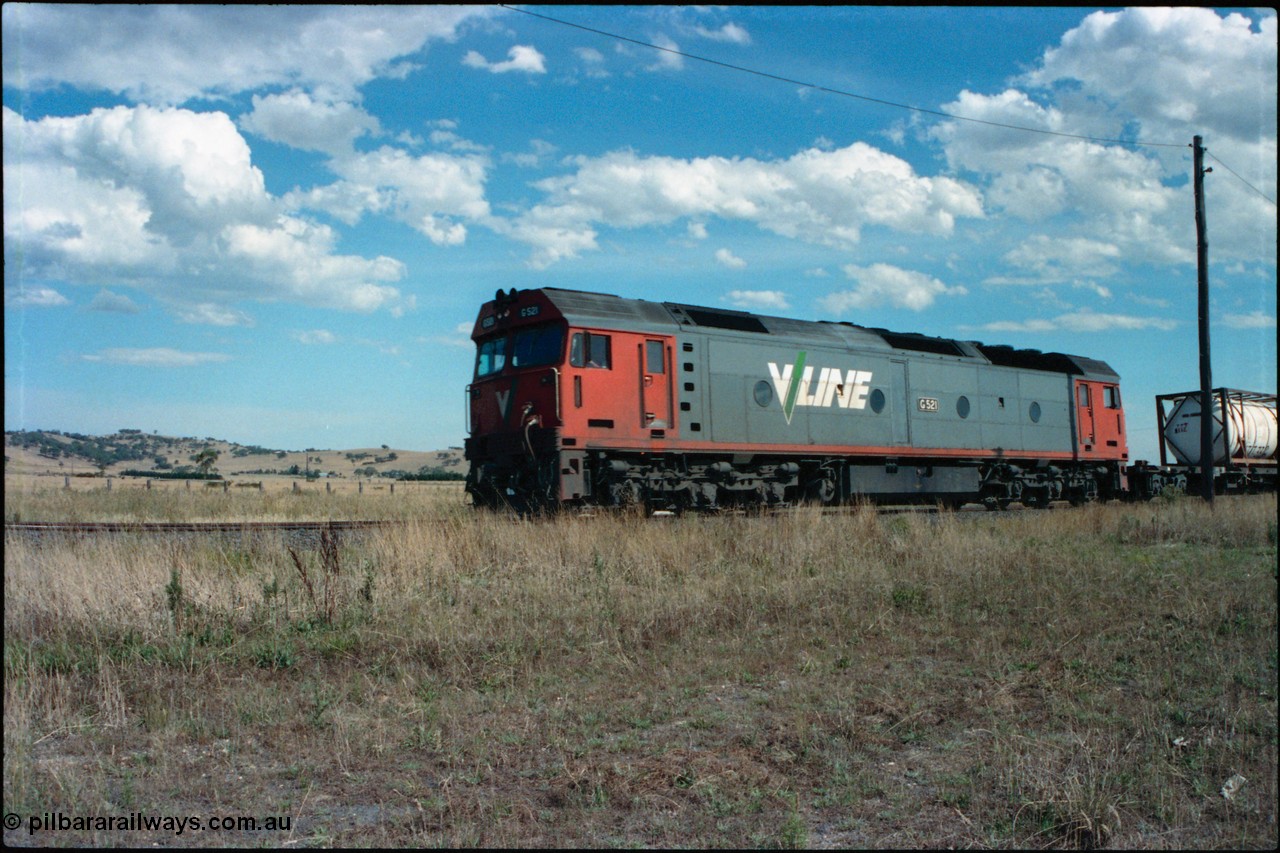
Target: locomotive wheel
[[822, 490], [1035, 498]]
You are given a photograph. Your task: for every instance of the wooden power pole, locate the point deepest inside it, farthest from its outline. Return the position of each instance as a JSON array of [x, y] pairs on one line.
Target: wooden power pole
[[1206, 374]]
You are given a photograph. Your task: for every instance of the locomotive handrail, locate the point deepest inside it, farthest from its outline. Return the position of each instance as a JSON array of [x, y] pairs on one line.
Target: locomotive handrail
[[559, 419]]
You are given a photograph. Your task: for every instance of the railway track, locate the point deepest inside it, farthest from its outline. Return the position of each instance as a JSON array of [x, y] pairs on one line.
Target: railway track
[[185, 526], [303, 532], [308, 532]]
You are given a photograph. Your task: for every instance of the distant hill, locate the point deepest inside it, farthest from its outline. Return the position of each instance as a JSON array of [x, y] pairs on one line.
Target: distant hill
[[54, 452]]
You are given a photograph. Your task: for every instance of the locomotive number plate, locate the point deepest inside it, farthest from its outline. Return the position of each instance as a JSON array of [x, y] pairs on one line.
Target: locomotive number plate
[[927, 404]]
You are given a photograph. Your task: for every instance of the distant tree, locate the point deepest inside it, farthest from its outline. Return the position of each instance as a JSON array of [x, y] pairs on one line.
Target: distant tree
[[205, 460]]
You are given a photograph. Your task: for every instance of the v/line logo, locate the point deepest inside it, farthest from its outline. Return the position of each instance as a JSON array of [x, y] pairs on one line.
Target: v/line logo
[[847, 389]]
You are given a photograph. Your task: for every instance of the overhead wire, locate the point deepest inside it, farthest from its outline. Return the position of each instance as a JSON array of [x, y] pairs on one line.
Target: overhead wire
[[832, 91], [1240, 179]]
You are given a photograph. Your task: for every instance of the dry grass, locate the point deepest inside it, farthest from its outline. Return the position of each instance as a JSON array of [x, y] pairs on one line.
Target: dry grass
[[29, 498], [1073, 678]]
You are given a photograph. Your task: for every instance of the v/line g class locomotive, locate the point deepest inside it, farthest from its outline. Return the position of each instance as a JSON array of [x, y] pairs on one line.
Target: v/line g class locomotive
[[590, 399]]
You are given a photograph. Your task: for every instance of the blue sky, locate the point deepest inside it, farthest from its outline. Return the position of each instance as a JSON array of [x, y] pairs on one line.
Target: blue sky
[[275, 225]]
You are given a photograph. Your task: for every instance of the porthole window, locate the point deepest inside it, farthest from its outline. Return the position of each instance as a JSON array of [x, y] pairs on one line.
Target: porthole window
[[1035, 413], [763, 393], [877, 401], [962, 407]]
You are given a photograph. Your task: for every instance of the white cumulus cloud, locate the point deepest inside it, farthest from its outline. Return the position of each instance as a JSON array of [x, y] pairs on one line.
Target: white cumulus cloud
[[731, 33], [155, 357], [172, 53], [298, 119], [726, 258], [315, 336], [1159, 75], [113, 303], [884, 284], [1057, 259], [168, 201], [1082, 321], [1252, 320], [430, 192], [524, 58], [772, 300], [34, 297], [212, 314], [824, 197]]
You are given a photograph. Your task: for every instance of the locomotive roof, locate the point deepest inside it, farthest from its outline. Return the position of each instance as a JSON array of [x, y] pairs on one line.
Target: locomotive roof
[[604, 310]]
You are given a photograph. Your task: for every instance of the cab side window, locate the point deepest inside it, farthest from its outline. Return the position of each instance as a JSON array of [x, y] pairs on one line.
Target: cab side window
[[589, 350], [1111, 397], [653, 357]]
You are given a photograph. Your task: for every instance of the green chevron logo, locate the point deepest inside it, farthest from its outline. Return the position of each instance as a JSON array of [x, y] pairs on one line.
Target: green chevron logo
[[793, 386]]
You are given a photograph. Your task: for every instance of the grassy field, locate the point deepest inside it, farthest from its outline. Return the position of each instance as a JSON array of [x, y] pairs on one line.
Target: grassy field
[[1064, 678], [278, 499]]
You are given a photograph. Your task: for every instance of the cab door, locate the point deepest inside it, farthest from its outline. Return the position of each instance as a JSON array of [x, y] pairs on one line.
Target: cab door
[[1085, 393], [1100, 421], [655, 384], [1108, 422]]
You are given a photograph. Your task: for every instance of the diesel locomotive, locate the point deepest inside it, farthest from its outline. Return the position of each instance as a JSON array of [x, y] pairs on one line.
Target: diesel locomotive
[[590, 399]]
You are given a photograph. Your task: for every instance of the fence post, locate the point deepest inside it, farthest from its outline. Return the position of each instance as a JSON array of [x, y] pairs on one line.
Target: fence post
[[296, 490], [393, 488], [109, 479], [260, 487], [148, 485], [226, 484], [361, 484], [328, 487], [66, 483]]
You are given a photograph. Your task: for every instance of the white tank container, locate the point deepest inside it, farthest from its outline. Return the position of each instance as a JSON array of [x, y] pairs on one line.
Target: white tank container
[[1247, 431]]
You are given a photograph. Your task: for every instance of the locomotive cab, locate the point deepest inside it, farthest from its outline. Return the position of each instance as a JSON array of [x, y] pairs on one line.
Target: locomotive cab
[[550, 385], [516, 379], [1100, 421], [513, 401]]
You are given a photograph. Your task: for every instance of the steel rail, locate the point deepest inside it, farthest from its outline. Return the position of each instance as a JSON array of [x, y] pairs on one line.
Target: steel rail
[[92, 527]]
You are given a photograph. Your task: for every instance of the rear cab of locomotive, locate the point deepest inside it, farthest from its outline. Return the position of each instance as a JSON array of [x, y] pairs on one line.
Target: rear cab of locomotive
[[556, 371], [1078, 399]]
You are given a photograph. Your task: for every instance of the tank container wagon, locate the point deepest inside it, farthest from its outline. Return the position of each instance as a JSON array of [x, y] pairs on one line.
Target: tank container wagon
[[1244, 441], [589, 399]]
